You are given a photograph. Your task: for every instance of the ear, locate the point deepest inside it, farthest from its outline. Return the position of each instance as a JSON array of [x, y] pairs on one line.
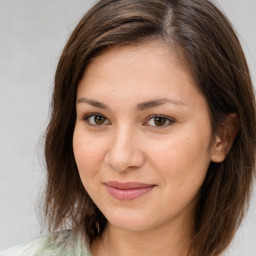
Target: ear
[[225, 138]]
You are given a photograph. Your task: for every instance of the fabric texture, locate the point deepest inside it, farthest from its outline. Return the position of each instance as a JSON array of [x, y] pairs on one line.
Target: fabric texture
[[62, 243]]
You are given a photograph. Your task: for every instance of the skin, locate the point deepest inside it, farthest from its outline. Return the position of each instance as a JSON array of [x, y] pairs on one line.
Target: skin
[[128, 144]]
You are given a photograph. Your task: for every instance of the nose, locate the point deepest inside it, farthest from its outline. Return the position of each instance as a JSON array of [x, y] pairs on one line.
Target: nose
[[124, 151]]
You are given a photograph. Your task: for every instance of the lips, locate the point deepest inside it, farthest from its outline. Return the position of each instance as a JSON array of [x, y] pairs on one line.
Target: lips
[[127, 191]]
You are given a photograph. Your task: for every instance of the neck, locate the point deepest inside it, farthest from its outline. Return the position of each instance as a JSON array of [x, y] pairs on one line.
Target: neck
[[168, 240]]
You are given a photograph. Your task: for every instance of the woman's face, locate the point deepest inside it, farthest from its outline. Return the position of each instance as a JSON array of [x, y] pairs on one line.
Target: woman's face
[[142, 139]]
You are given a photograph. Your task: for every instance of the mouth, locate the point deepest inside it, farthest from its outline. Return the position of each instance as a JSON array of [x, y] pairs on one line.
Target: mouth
[[128, 190]]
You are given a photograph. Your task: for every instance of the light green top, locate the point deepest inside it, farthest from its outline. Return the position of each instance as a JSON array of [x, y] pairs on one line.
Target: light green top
[[62, 243]]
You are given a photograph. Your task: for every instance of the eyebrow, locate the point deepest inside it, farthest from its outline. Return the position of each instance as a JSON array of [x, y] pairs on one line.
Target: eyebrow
[[94, 103], [141, 106], [157, 102]]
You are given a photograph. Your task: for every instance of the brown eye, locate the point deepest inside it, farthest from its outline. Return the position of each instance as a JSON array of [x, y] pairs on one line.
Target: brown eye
[[159, 121], [96, 119], [99, 119]]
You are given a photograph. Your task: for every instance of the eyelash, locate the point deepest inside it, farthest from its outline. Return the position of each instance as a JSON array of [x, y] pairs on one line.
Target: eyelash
[[86, 118], [167, 119]]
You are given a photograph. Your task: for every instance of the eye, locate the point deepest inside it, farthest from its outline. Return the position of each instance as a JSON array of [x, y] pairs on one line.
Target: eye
[[96, 119], [159, 121]]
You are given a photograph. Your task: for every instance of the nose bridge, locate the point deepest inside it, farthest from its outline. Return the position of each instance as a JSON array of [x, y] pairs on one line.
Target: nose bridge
[[124, 151], [123, 135]]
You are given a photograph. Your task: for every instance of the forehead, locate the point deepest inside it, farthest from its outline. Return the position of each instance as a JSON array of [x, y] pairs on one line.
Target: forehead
[[140, 49], [150, 58], [137, 73]]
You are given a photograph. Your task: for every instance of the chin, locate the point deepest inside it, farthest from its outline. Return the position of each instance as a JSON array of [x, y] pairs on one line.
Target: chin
[[134, 226], [130, 221]]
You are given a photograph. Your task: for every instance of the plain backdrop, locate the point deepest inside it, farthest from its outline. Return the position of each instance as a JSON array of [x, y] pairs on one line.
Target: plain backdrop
[[32, 35]]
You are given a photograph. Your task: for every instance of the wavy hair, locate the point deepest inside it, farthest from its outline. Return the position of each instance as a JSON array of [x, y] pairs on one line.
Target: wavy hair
[[199, 32]]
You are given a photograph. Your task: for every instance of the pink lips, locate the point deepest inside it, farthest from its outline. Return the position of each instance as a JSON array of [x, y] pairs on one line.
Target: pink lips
[[127, 191]]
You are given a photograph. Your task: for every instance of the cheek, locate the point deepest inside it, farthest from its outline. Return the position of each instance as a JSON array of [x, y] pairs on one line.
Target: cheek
[[181, 159], [88, 153], [182, 166]]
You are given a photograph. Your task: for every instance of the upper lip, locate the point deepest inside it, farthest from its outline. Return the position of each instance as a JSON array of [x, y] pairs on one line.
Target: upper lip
[[127, 185]]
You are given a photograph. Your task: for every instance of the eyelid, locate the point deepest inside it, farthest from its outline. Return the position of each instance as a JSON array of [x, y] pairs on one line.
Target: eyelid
[[87, 116], [169, 119]]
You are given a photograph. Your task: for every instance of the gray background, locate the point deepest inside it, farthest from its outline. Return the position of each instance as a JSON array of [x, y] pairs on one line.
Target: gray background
[[32, 35]]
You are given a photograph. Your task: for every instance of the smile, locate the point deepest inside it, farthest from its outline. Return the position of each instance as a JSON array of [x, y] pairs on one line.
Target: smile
[[127, 191]]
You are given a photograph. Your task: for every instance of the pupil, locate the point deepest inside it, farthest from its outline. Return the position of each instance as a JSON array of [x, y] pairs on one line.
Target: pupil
[[159, 121], [99, 119]]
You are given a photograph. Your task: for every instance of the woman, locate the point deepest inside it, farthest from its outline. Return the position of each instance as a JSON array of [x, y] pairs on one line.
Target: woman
[[151, 144]]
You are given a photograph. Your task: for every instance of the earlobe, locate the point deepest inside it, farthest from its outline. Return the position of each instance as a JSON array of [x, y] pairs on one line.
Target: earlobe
[[225, 138]]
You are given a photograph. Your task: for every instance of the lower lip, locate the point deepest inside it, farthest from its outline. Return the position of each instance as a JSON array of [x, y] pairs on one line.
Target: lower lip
[[128, 194]]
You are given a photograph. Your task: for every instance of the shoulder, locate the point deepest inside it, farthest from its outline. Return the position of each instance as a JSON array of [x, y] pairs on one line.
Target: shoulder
[[62, 243]]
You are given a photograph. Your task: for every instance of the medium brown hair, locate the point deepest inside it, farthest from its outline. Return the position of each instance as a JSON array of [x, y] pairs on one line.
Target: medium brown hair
[[212, 52]]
